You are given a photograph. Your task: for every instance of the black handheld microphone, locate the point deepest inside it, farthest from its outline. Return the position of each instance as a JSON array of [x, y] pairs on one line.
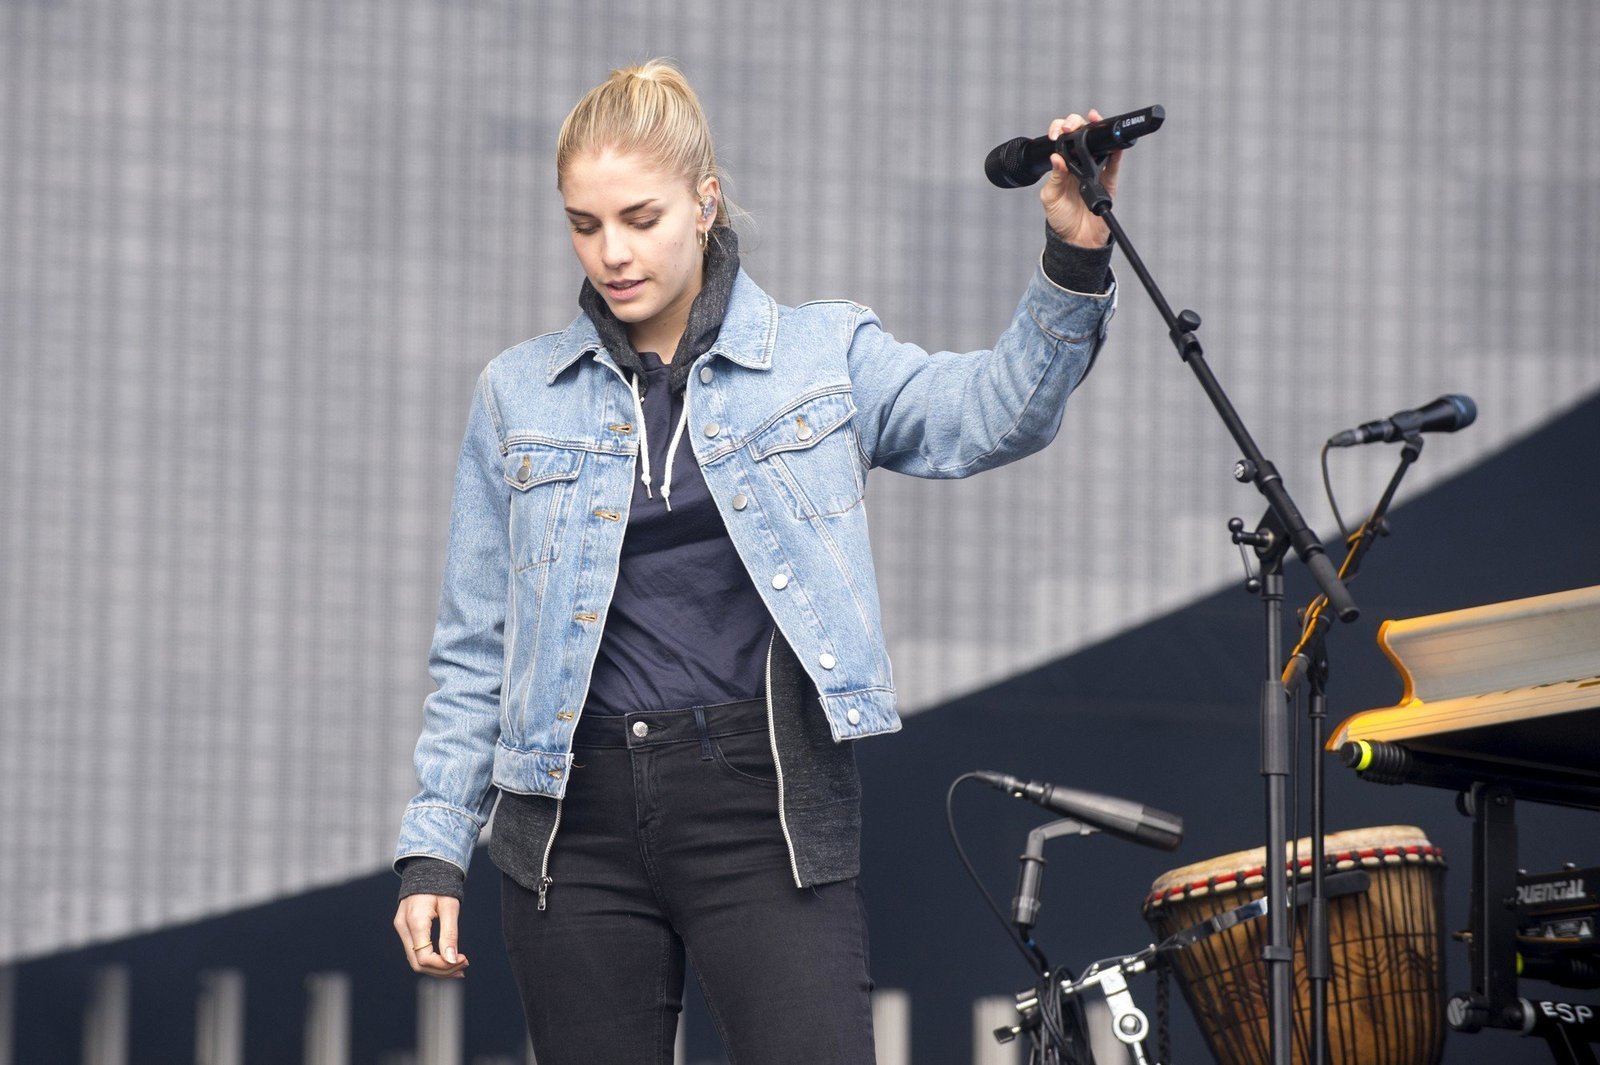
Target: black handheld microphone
[[1444, 415], [1024, 160], [1131, 821]]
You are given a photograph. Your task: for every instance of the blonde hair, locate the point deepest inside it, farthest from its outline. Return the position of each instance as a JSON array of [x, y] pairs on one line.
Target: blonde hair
[[649, 109]]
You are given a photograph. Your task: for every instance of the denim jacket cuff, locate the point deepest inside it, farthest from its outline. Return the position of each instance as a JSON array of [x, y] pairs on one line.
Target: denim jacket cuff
[[1064, 315], [435, 830]]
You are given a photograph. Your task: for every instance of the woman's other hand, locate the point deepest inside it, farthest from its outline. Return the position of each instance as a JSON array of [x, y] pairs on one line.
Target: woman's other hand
[[1063, 207], [414, 922]]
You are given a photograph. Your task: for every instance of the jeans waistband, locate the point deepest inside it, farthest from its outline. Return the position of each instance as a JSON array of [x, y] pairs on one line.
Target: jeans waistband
[[651, 728]]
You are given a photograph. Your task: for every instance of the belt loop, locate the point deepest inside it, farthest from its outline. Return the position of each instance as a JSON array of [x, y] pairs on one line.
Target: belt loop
[[705, 735]]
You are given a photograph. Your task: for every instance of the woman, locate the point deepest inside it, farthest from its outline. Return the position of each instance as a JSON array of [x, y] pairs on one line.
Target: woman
[[659, 622]]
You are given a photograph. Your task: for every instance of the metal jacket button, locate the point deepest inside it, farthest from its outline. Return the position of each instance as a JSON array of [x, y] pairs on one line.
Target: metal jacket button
[[827, 661], [525, 470], [740, 502], [780, 581], [706, 375], [712, 428], [640, 729], [805, 431], [853, 716]]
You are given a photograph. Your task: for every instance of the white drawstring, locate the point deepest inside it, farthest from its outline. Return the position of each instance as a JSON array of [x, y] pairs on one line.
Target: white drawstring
[[644, 439], [672, 449]]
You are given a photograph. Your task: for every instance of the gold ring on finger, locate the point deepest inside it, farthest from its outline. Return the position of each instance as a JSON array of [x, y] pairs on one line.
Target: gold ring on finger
[[422, 946]]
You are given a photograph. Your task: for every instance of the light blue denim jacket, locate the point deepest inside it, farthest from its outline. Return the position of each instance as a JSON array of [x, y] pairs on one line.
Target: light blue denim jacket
[[786, 413]]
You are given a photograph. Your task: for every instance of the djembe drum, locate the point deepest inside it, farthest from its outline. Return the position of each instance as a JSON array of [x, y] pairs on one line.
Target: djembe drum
[[1385, 998]]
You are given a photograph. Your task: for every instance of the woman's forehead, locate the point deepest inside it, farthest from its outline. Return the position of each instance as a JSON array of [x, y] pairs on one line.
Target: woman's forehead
[[608, 179]]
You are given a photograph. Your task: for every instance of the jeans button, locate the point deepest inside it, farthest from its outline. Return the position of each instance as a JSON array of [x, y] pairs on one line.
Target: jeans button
[[827, 661], [705, 375], [853, 716], [640, 729]]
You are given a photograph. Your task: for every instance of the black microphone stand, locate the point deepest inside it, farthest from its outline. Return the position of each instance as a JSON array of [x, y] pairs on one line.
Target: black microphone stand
[[1281, 530], [1309, 662]]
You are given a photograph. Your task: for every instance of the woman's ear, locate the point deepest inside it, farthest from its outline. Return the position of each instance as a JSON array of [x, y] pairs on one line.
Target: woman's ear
[[710, 192]]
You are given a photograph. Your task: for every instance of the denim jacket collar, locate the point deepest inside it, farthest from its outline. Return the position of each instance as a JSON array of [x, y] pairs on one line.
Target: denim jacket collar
[[750, 328], [749, 333]]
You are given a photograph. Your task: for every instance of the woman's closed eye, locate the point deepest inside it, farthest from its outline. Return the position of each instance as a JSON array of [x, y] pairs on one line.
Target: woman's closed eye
[[589, 228]]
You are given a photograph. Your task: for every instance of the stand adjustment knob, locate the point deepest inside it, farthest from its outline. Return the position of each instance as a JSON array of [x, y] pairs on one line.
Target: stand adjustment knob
[[1133, 1026], [1467, 1013], [1253, 539]]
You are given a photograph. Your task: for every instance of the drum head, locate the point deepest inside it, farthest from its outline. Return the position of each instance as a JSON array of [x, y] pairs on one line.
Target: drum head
[[1243, 870]]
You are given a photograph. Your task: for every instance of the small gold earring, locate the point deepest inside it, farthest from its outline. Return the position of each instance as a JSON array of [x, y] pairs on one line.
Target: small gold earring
[[705, 239]]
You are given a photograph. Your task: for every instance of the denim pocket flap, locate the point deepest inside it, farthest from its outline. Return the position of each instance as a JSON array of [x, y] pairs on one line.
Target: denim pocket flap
[[527, 469], [804, 425]]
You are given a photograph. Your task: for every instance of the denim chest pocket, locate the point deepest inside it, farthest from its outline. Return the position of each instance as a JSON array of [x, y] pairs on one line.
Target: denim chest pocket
[[809, 453], [544, 480]]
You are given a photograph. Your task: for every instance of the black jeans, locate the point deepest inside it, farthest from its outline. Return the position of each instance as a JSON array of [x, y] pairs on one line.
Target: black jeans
[[670, 843]]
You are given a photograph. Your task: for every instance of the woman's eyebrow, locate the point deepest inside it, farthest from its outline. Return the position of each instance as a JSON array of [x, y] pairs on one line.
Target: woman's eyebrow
[[640, 206]]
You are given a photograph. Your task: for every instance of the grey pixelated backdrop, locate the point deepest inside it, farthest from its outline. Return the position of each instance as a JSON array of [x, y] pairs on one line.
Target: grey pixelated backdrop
[[252, 255]]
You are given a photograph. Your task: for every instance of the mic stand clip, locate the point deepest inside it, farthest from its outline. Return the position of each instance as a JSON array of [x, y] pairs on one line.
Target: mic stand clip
[[1129, 1023], [1030, 876]]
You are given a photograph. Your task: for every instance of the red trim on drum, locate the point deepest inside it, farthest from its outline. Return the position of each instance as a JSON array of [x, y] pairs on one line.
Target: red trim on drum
[[1411, 852]]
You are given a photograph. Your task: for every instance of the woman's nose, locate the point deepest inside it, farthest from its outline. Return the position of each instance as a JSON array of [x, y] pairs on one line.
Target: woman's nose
[[614, 249]]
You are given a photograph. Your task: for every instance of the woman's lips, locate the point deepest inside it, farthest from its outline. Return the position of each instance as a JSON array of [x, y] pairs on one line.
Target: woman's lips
[[623, 290]]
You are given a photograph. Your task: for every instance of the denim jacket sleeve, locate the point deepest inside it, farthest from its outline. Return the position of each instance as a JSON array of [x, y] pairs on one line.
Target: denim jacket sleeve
[[949, 414], [455, 754]]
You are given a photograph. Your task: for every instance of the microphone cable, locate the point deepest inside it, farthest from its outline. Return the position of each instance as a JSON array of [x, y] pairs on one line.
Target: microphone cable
[[1051, 1015], [1033, 958], [1327, 488]]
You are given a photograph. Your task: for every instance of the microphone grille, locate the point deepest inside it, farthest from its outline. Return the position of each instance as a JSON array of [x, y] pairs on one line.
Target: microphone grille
[[1005, 162], [1466, 410]]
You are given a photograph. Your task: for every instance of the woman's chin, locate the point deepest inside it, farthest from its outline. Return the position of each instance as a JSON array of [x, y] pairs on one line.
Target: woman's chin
[[631, 311]]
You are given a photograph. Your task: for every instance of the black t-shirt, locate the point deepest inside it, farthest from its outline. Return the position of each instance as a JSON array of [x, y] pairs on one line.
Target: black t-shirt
[[686, 626]]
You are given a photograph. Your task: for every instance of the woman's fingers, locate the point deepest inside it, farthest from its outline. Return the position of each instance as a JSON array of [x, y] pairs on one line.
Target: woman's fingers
[[449, 911], [431, 963], [409, 938], [1067, 125], [413, 921], [1063, 207]]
